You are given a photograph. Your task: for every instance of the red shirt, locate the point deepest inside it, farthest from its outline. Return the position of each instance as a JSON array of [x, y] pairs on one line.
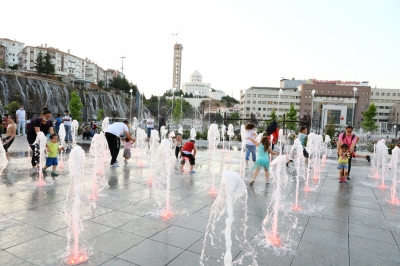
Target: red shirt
[[189, 146], [5, 122]]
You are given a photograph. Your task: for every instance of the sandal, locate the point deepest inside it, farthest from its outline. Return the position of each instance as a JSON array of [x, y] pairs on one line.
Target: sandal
[[251, 182]]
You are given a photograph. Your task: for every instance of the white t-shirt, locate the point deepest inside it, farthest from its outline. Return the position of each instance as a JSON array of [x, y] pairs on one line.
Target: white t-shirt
[[152, 123], [117, 129], [67, 123], [249, 134], [21, 115]]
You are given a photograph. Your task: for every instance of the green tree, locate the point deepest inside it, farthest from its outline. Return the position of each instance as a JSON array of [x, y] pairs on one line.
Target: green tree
[[39, 63], [49, 68], [75, 106], [176, 115], [369, 124], [291, 115], [234, 115], [330, 128], [12, 107], [273, 115], [14, 67], [101, 84], [219, 119], [100, 114]]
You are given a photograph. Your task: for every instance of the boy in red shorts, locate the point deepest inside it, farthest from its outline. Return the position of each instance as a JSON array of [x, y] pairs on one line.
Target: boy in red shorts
[[186, 151]]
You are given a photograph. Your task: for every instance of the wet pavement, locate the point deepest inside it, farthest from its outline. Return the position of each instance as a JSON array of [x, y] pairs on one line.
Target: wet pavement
[[339, 224]]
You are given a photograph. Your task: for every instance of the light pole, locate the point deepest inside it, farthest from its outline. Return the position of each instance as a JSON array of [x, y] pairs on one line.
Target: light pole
[[181, 109], [158, 110], [130, 108], [172, 107], [312, 109], [354, 104], [122, 57]]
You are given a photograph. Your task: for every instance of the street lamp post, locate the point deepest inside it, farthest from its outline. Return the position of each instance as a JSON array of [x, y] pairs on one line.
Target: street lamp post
[[312, 109], [181, 110], [158, 110], [354, 104], [130, 108]]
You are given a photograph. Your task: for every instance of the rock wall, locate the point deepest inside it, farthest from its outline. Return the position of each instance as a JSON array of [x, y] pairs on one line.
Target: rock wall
[[35, 93]]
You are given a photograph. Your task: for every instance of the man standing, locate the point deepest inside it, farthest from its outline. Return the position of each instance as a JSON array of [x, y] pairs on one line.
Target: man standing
[[21, 120], [113, 134], [150, 125], [67, 120], [161, 122]]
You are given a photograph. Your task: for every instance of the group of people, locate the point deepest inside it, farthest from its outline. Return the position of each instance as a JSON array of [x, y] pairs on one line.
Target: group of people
[[346, 150]]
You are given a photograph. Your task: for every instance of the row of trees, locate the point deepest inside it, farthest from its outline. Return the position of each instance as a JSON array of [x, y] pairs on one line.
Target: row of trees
[[43, 64]]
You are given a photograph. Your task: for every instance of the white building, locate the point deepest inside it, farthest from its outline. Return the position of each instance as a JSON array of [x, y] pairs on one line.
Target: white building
[[384, 99], [262, 100], [196, 85], [12, 49]]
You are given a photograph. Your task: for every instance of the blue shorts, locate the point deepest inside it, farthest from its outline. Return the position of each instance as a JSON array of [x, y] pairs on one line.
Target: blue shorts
[[343, 166], [51, 161]]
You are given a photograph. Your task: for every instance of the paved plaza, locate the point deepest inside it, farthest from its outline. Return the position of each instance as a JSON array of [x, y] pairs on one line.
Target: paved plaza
[[339, 224]]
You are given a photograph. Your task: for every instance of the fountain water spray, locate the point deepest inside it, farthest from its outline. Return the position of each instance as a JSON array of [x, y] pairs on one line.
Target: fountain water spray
[[40, 143], [105, 124], [3, 158], [141, 137], [223, 131], [326, 149], [61, 134], [232, 193], [165, 158], [395, 165], [231, 133], [99, 182], [180, 130], [317, 148], [193, 133], [298, 159], [278, 174], [72, 207], [312, 160], [213, 138], [382, 155], [154, 138], [163, 132], [243, 135], [74, 131], [280, 140], [171, 138]]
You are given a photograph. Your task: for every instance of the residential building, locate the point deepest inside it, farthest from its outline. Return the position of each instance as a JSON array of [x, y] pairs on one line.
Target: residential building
[[13, 48], [196, 85], [223, 110], [177, 66], [3, 57], [394, 113]]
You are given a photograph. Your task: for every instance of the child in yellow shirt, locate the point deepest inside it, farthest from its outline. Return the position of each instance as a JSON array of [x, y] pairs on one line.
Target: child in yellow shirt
[[52, 152], [343, 162]]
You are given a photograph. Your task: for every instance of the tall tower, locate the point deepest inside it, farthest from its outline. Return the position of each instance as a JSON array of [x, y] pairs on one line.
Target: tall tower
[[176, 74]]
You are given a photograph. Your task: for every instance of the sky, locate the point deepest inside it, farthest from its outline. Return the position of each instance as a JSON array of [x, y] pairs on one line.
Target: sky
[[233, 44]]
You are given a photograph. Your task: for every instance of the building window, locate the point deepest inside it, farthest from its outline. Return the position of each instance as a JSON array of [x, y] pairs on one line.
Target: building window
[[264, 109], [377, 94], [248, 95], [254, 95], [322, 91], [372, 93], [333, 91], [253, 109], [259, 109], [329, 91], [393, 94], [254, 102], [248, 101], [387, 94]]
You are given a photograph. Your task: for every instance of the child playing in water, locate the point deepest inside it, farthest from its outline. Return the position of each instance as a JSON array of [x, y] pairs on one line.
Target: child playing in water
[[262, 158], [343, 162], [178, 144], [52, 151], [127, 151]]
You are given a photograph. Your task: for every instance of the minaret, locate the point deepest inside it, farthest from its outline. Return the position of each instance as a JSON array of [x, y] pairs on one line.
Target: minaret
[[176, 74]]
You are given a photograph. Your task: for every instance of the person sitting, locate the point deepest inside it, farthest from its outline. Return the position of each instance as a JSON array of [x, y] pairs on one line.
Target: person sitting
[[86, 132]]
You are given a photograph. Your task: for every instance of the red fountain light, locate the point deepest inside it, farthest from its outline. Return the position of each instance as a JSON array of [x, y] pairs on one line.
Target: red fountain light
[[275, 241], [296, 208], [307, 189], [213, 192], [382, 186], [75, 260], [394, 201], [167, 215]]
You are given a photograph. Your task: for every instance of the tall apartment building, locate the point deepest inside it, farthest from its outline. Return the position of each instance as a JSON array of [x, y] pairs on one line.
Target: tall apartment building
[[3, 57], [331, 101], [196, 85], [12, 49], [66, 64], [177, 66]]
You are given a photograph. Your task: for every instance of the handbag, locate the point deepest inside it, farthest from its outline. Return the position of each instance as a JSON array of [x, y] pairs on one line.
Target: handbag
[[305, 153]]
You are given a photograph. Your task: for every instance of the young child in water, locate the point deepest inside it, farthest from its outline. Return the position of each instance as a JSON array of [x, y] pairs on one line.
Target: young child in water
[[262, 161], [52, 152], [127, 151], [343, 162]]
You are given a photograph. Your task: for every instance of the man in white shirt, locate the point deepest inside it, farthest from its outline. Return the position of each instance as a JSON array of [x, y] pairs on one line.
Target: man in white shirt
[[67, 120], [113, 134], [21, 120], [150, 125]]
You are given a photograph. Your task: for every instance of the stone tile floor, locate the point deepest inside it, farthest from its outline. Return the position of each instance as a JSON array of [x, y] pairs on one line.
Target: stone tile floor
[[340, 224]]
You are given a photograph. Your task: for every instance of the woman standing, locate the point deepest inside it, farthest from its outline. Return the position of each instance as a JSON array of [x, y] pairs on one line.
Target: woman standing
[[347, 137], [150, 125], [10, 135], [250, 146], [41, 124]]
